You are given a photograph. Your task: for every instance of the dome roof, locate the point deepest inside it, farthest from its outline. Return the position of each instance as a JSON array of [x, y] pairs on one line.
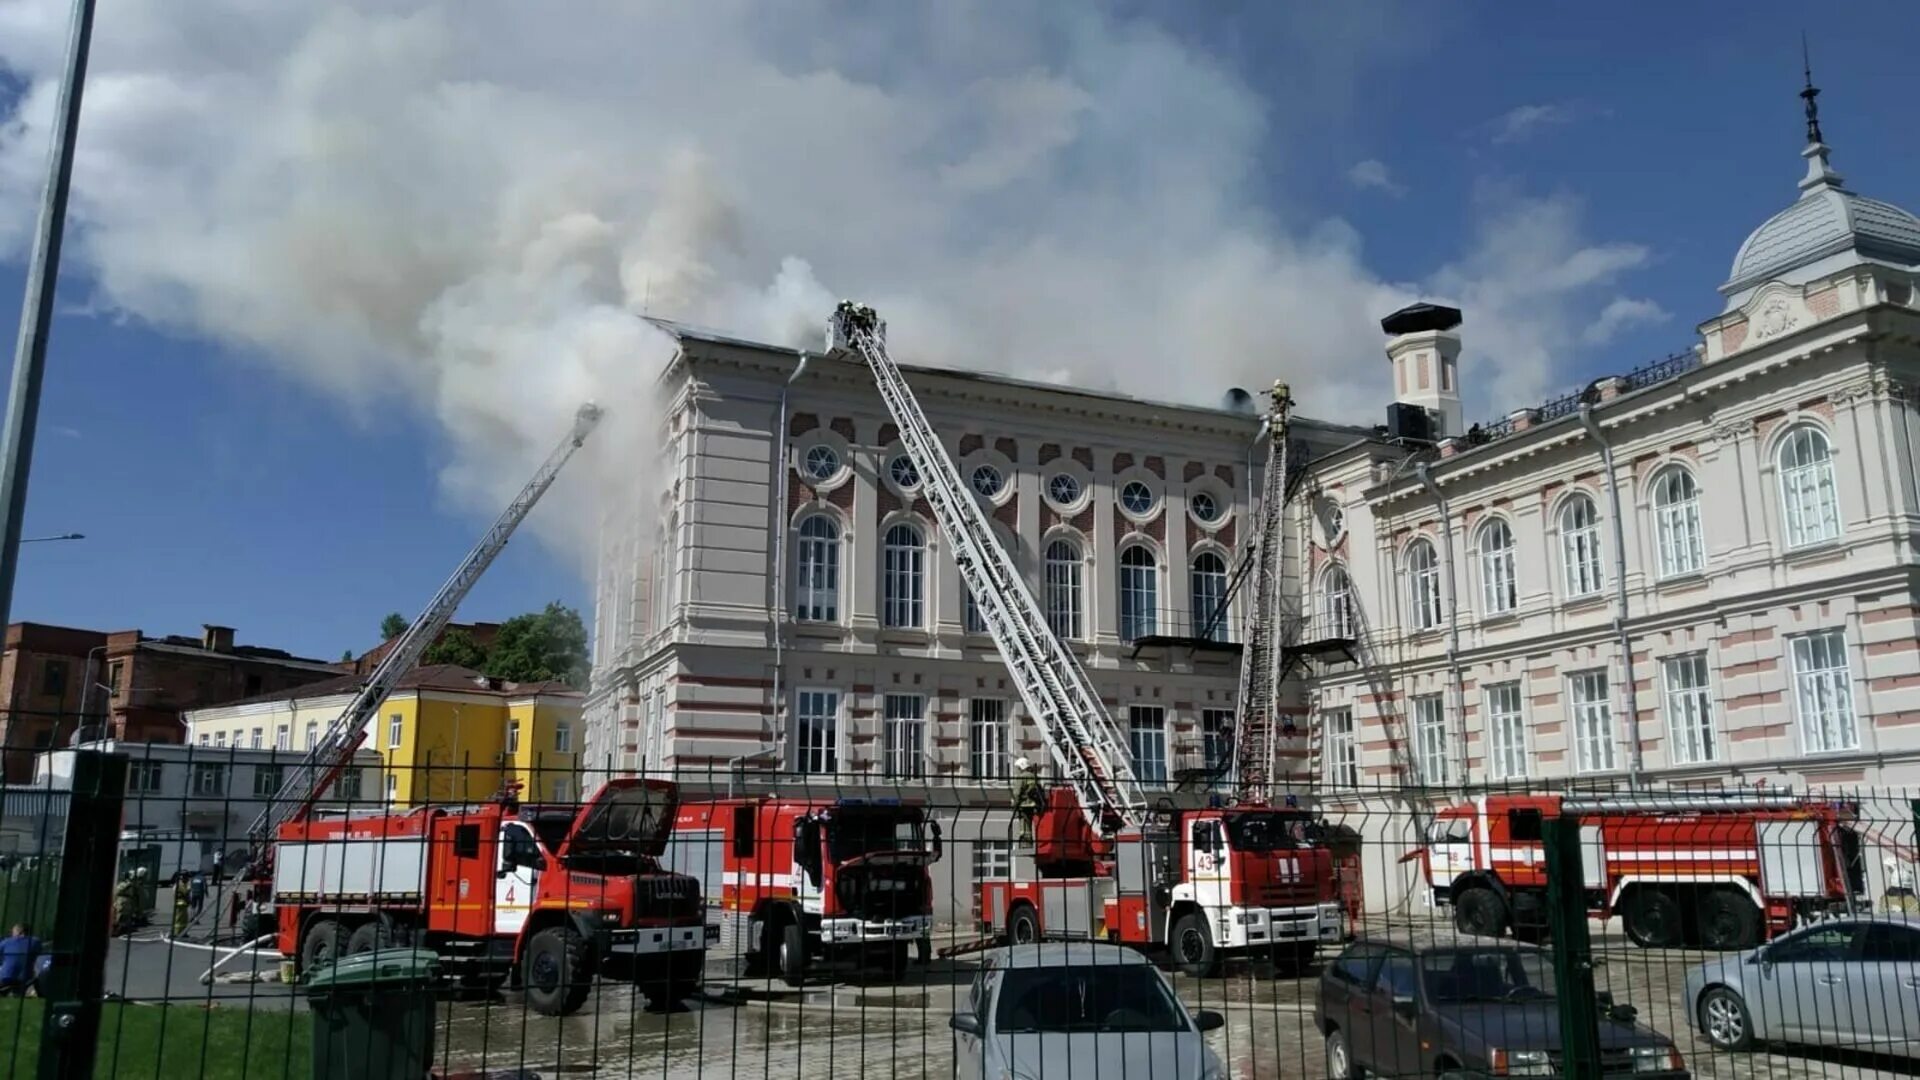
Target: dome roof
[[1827, 220]]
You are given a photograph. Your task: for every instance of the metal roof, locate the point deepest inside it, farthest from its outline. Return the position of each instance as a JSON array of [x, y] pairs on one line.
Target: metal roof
[[1065, 954], [1827, 219]]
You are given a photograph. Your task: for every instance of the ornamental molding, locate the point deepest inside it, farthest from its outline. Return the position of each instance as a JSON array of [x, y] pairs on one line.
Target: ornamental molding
[[1776, 317]]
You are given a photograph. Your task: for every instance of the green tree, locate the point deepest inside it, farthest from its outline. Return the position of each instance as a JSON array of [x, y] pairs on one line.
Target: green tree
[[541, 645], [347, 657], [393, 626], [456, 646]]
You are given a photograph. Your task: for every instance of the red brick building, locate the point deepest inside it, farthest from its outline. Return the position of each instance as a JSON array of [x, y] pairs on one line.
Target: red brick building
[[42, 677]]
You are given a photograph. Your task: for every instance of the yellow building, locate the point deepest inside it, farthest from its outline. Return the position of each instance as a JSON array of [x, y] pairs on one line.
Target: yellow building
[[445, 735]]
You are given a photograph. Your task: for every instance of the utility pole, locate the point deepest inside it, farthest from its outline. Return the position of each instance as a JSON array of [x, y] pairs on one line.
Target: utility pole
[[36, 310]]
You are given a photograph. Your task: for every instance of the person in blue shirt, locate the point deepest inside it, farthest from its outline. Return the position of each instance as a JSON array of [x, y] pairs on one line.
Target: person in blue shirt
[[17, 953]]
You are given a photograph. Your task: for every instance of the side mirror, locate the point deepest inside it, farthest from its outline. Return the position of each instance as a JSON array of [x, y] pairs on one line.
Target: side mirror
[[1208, 1020], [965, 1024]]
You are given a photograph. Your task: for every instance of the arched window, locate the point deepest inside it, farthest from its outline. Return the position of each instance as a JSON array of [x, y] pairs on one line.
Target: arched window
[[1209, 591], [1580, 546], [1061, 595], [1676, 514], [816, 570], [903, 578], [1336, 604], [1139, 593], [1423, 585], [1807, 497], [1499, 592]]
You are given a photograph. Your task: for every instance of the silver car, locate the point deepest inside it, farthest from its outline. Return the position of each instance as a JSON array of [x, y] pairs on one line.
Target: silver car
[[1847, 982], [1078, 1009]]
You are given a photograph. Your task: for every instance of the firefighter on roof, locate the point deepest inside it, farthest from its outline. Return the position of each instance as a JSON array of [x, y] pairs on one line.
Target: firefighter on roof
[[1028, 800]]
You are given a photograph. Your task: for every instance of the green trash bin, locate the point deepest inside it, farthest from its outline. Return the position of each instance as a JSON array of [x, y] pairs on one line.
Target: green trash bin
[[373, 1015]]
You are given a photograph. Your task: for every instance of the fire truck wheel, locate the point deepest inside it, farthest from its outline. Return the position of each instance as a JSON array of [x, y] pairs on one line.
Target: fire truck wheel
[[1728, 921], [1192, 944], [557, 976], [326, 940], [1023, 926], [1480, 911], [369, 937], [793, 954], [1653, 919]]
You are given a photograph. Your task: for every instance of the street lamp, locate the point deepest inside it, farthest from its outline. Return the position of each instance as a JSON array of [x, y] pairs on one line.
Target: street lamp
[[45, 539]]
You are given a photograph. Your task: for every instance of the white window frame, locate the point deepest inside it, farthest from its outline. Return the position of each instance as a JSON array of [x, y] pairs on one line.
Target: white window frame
[[1676, 514], [1499, 585], [972, 619], [209, 778], [1823, 692], [816, 569], [1209, 588], [988, 747], [1061, 587], [904, 736], [257, 738], [1591, 716], [903, 577], [1430, 740], [1580, 572], [816, 734], [396, 728], [562, 737], [513, 736], [1216, 743], [1147, 742], [1505, 707], [991, 860], [1687, 698], [313, 733], [144, 776], [1809, 496], [282, 737], [1139, 574], [1340, 748], [1336, 590], [1424, 608]]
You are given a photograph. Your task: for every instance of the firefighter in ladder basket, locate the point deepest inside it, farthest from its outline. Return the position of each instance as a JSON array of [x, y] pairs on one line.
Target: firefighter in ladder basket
[[1028, 800]]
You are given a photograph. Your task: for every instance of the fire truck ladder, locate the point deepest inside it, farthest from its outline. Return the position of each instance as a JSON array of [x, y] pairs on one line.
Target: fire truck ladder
[[334, 751], [1267, 635], [1081, 736]]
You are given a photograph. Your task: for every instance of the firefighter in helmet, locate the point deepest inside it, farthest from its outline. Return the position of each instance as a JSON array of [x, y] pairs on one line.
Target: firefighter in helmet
[[1028, 800]]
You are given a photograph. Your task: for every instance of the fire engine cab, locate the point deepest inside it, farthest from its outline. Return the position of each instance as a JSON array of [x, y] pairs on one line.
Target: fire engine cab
[[1721, 871], [797, 881], [548, 897]]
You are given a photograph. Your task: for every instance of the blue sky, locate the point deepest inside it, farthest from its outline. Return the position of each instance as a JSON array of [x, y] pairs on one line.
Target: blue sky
[[217, 485]]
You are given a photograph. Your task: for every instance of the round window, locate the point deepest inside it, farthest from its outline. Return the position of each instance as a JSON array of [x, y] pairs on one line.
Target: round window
[[1137, 498], [1064, 489], [903, 472], [822, 462], [1332, 519], [987, 481], [1204, 507]]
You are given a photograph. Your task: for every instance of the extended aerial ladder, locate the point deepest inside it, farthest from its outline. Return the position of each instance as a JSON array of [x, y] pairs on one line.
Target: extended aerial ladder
[[1081, 735], [334, 750], [1262, 660]]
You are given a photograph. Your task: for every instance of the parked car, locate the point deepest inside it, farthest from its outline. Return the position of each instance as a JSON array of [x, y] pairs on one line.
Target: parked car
[[1848, 982], [1450, 1005], [1079, 1009]]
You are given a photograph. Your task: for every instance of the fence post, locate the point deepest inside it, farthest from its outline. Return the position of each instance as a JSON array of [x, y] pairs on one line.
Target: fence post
[[74, 985], [1572, 950]]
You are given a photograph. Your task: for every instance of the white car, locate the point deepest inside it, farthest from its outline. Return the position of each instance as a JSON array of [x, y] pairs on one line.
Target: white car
[[1852, 983], [1079, 1009]]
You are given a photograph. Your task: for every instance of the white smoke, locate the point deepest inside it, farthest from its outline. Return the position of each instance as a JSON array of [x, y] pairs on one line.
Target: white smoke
[[467, 204]]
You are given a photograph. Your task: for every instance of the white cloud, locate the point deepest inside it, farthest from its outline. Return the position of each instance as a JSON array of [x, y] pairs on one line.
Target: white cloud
[[464, 205], [1372, 174], [1623, 313], [1525, 121]]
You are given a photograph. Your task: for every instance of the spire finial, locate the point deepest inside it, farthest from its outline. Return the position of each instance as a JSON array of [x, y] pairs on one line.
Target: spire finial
[[1810, 93]]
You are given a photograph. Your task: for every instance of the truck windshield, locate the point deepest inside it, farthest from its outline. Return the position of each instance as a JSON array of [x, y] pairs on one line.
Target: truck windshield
[[1269, 831], [1100, 997], [851, 834], [1455, 976], [1450, 831]]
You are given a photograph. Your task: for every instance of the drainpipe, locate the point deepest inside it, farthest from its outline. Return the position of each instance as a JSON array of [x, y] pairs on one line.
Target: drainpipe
[[1620, 593], [777, 573], [1453, 617]]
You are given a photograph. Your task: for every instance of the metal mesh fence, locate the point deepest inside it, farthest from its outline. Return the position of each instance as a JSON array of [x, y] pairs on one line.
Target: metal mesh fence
[[536, 917]]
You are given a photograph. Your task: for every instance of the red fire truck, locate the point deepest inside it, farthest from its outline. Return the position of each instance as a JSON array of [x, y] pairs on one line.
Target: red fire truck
[[1722, 871], [797, 881], [1201, 883], [548, 897]]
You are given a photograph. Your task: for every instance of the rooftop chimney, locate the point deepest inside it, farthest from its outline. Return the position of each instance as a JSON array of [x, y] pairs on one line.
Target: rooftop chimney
[[1423, 345], [216, 638]]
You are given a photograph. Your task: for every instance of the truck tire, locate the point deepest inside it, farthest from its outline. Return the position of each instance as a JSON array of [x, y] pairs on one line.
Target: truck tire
[[1728, 921], [1191, 943], [1480, 911], [369, 937], [326, 942], [792, 955], [1023, 926], [557, 972], [1653, 919]]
